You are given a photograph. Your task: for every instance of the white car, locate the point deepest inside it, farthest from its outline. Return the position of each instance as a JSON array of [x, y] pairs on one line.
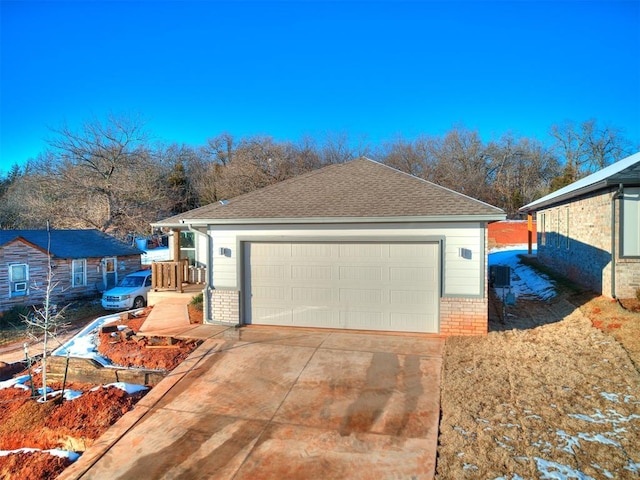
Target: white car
[[130, 293]]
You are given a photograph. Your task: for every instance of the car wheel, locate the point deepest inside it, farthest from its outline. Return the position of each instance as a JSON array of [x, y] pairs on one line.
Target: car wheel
[[138, 302]]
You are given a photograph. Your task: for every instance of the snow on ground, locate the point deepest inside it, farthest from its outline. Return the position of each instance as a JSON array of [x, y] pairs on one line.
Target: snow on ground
[[83, 345], [525, 281], [159, 254], [54, 451]]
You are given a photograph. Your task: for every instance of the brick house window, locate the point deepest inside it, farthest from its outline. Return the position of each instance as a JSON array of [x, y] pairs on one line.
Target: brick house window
[[566, 227], [19, 280], [79, 272], [543, 229], [558, 230], [630, 223]]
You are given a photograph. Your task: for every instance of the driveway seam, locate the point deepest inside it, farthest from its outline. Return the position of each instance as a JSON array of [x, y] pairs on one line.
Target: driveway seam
[[284, 398]]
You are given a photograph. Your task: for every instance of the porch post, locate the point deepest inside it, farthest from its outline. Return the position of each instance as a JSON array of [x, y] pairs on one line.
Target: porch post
[[175, 253], [530, 231]]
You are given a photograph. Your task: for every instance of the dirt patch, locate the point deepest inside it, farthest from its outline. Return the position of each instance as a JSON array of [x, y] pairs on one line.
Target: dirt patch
[[544, 395], [70, 425], [131, 350], [74, 425]]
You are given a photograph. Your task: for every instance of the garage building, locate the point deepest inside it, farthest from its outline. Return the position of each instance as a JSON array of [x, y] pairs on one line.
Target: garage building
[[357, 245]]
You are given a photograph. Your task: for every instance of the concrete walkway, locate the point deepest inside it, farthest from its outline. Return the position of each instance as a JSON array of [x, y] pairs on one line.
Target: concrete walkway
[[283, 403]]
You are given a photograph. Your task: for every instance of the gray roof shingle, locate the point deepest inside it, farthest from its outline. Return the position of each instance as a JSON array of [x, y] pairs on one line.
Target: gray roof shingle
[[361, 188], [72, 243]]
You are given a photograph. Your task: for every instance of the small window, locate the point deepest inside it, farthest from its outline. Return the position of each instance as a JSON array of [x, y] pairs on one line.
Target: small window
[[566, 228], [19, 280], [79, 273], [543, 229], [188, 246], [558, 229], [630, 223]]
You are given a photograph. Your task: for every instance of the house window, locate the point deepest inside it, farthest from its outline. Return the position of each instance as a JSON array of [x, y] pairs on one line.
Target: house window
[[79, 273], [19, 280], [188, 246], [566, 227], [543, 229], [558, 230], [630, 223]]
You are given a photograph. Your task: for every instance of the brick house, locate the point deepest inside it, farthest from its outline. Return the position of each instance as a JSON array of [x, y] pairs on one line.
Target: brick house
[[83, 262], [589, 231], [357, 245]]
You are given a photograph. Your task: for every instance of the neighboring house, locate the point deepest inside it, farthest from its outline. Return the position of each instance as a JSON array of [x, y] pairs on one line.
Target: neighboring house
[[83, 263], [589, 231], [357, 245]]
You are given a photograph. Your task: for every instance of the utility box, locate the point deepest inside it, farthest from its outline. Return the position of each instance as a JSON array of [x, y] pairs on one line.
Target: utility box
[[500, 276]]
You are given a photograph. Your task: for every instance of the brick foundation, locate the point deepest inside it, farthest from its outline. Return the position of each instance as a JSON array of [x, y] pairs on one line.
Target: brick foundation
[[225, 306], [463, 316], [458, 316]]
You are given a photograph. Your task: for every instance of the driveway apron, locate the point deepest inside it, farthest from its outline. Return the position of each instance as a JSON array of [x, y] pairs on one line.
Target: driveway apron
[[283, 403]]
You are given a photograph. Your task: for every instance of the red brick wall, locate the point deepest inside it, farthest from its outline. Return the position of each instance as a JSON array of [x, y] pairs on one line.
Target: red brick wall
[[463, 316]]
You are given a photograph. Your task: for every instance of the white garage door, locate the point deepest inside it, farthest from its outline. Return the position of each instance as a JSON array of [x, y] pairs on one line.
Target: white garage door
[[364, 286]]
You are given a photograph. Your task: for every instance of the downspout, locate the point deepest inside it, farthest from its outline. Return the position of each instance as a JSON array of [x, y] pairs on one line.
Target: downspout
[[615, 196], [206, 292]]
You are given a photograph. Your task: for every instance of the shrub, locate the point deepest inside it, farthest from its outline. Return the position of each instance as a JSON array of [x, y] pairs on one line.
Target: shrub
[[197, 301]]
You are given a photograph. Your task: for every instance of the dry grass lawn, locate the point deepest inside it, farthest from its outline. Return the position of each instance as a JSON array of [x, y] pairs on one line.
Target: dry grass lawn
[[545, 395]]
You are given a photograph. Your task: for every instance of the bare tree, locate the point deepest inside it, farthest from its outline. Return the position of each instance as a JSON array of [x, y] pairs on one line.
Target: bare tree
[[102, 176], [587, 147], [46, 319]]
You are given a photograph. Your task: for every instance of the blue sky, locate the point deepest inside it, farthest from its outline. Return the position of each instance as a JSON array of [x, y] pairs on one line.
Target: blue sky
[[373, 70]]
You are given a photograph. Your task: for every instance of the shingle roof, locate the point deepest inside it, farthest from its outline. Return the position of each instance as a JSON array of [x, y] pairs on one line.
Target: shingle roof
[[625, 171], [360, 188], [72, 243]]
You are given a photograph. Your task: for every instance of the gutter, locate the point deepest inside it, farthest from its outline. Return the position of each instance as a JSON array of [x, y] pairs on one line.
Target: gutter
[[206, 292], [333, 220], [616, 195]]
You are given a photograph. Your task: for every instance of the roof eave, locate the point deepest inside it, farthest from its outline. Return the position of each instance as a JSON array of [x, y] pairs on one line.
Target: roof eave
[[542, 203], [335, 220]]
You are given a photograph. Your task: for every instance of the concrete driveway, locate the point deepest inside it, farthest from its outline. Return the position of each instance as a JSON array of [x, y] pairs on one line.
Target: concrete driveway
[[283, 403]]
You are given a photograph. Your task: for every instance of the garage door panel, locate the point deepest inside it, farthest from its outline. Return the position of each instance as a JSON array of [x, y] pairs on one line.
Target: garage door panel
[[274, 315], [409, 251], [311, 272], [268, 292], [360, 273], [268, 272], [315, 316], [360, 296], [312, 295], [358, 250], [411, 274], [365, 286], [310, 251], [410, 297], [363, 320]]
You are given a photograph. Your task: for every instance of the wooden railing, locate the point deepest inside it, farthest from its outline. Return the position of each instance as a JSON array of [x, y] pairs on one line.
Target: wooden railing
[[173, 275], [168, 275]]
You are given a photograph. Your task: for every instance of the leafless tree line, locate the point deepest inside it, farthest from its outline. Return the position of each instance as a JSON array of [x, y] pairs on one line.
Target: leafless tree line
[[108, 175]]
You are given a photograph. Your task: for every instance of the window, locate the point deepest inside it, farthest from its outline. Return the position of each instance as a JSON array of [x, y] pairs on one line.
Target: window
[[543, 229], [566, 227], [558, 230], [79, 273], [630, 223], [19, 280], [188, 246]]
